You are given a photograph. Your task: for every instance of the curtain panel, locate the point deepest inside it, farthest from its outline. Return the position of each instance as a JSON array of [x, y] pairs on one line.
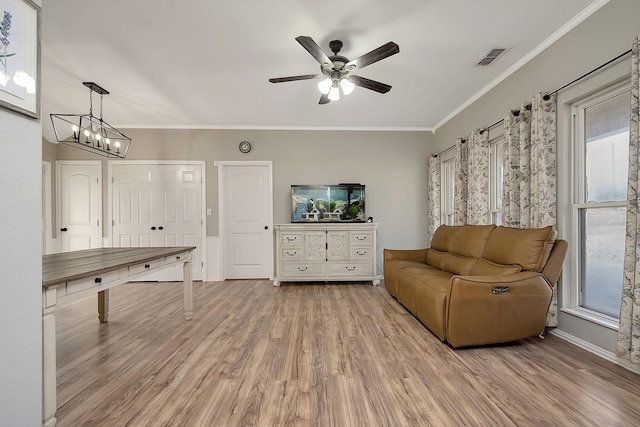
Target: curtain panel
[[478, 178], [434, 195], [529, 196], [628, 341], [462, 182]]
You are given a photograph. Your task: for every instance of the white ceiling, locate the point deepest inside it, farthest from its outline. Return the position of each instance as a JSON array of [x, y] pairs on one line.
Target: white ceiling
[[206, 64]]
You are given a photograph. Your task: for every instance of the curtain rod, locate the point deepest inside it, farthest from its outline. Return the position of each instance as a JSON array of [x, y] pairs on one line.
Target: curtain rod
[[546, 97], [587, 74], [463, 140]]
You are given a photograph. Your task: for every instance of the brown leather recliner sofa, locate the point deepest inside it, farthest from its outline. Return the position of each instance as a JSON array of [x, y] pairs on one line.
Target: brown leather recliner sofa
[[479, 284]]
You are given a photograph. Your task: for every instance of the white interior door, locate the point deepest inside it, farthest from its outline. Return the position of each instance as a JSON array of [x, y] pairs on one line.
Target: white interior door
[[79, 204], [159, 205], [246, 203]]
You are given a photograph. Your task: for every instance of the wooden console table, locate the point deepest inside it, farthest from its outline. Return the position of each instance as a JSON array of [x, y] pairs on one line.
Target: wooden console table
[[71, 275]]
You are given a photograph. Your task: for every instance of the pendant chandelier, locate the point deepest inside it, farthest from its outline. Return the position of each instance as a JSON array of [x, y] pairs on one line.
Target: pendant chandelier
[[91, 133]]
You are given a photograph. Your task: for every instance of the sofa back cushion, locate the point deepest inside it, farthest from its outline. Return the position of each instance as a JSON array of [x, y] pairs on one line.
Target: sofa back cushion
[[452, 263], [488, 268], [465, 240], [529, 248]]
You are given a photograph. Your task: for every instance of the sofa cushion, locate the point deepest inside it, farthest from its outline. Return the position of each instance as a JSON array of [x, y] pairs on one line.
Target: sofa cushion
[[488, 268], [465, 240], [391, 270], [436, 258], [460, 265], [530, 248]]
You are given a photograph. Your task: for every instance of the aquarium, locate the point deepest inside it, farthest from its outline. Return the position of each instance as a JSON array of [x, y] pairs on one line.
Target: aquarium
[[327, 203]]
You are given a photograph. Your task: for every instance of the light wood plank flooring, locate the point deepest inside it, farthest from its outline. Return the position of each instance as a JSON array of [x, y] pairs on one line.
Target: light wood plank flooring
[[313, 355]]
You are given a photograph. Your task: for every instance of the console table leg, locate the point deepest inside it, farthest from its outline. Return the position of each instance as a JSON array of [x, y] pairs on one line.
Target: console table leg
[[188, 290], [103, 306], [49, 400]]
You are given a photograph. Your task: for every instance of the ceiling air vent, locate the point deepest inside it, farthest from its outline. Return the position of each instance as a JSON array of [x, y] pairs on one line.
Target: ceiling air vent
[[491, 55]]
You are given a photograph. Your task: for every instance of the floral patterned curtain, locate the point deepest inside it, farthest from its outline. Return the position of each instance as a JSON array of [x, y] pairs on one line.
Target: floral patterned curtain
[[434, 195], [461, 184], [529, 197], [628, 343], [478, 175]]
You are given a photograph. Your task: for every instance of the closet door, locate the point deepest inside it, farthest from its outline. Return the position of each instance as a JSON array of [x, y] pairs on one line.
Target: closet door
[[158, 205]]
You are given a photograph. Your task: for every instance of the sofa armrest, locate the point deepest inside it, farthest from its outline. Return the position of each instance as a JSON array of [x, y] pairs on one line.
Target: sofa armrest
[[496, 309], [415, 255]]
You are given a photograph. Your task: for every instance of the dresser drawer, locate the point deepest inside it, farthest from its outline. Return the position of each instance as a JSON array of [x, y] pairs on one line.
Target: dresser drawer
[[291, 254], [90, 282], [291, 238], [358, 253], [361, 238], [145, 266], [176, 257], [350, 269], [302, 269]]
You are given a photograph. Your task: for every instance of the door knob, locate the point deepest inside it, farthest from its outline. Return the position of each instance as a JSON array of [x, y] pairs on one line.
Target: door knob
[[161, 228], [153, 228], [63, 229], [266, 227]]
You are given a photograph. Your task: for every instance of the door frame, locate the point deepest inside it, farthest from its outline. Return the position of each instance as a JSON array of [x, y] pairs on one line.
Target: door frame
[[47, 220], [203, 205], [222, 205], [60, 163]]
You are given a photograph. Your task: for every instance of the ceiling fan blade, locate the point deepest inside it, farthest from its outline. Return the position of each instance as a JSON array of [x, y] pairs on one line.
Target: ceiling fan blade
[[315, 51], [324, 99], [369, 84], [294, 78], [375, 55]]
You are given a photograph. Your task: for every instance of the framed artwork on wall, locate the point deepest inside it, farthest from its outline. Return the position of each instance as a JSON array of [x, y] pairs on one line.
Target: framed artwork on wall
[[20, 56]]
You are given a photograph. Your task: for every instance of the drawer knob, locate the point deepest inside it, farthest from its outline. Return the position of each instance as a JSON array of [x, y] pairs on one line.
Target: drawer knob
[[302, 268], [350, 268], [178, 257], [147, 266], [361, 253], [98, 280], [291, 239], [361, 237], [291, 253]]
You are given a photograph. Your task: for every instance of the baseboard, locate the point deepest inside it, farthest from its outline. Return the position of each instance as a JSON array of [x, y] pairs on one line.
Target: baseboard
[[598, 351]]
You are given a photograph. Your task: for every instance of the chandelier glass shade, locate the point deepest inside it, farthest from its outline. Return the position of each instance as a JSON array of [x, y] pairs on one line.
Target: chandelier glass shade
[[91, 133], [332, 86]]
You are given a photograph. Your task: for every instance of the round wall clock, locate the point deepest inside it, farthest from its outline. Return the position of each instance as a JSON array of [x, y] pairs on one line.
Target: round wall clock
[[244, 147]]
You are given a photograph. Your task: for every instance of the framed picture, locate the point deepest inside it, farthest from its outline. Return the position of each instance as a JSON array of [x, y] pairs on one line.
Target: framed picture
[[20, 56]]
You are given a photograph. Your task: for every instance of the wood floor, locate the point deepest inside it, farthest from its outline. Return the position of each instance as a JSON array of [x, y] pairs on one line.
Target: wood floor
[[313, 355]]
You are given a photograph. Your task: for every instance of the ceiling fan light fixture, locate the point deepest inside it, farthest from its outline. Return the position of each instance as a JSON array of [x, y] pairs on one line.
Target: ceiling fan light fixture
[[346, 86], [334, 93], [324, 86]]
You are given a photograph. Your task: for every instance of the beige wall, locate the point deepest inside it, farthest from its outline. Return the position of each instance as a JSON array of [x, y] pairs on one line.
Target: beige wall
[[601, 37], [392, 165]]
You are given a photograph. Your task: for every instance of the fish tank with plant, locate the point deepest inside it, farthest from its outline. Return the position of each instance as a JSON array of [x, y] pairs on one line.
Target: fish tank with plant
[[327, 203]]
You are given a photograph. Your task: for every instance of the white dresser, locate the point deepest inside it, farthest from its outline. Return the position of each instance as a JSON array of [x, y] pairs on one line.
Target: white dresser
[[326, 252]]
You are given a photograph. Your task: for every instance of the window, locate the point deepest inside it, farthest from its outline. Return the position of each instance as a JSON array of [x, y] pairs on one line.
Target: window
[[448, 192], [496, 177], [601, 153]]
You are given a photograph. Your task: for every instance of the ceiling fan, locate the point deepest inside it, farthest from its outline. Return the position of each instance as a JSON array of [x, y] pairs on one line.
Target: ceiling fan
[[336, 69]]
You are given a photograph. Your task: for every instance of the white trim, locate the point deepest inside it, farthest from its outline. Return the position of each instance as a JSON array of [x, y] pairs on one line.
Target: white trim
[[259, 127], [588, 11], [222, 208], [598, 351], [593, 316], [203, 166], [47, 206]]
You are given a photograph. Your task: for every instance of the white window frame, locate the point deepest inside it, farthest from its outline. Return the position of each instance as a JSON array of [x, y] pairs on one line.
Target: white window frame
[[494, 145], [572, 293], [447, 187]]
